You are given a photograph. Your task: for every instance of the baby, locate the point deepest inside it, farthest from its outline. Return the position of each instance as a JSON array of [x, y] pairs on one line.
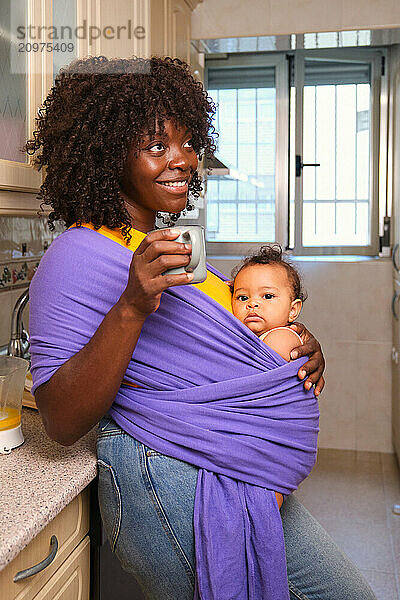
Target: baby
[[267, 297]]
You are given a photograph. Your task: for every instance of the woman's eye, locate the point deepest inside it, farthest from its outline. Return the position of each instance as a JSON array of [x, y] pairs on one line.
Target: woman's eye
[[159, 144], [189, 142]]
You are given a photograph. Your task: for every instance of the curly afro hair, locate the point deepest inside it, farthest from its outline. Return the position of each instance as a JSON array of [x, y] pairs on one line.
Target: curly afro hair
[[97, 112], [271, 254]]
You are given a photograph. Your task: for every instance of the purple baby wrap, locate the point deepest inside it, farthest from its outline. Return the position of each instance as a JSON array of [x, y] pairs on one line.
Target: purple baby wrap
[[212, 394]]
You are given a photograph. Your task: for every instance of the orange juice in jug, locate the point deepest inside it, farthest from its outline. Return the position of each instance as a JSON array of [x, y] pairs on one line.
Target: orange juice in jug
[[9, 418]]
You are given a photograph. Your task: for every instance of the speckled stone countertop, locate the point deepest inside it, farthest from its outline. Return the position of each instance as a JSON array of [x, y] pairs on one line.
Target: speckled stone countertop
[[37, 480]]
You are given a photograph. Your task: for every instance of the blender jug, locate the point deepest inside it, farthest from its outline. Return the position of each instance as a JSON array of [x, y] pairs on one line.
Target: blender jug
[[12, 380]]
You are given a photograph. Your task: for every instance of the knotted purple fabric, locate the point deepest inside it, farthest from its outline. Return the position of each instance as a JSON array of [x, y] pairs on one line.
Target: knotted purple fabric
[[212, 394]]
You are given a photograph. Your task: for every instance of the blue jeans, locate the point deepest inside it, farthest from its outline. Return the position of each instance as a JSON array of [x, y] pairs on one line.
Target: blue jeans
[[146, 502]]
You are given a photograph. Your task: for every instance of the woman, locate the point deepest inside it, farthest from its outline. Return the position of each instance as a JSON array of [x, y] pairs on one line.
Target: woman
[[121, 141]]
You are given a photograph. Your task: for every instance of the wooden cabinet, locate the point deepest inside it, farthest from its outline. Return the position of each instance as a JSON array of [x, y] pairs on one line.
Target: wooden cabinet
[[67, 576], [160, 27], [139, 27], [71, 581], [395, 140], [396, 367], [179, 30], [28, 65], [20, 89]]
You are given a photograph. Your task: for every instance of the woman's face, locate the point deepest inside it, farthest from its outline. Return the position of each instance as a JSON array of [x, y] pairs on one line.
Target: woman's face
[[157, 179]]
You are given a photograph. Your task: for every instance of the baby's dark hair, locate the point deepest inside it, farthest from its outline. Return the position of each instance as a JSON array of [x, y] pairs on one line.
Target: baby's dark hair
[[272, 254]]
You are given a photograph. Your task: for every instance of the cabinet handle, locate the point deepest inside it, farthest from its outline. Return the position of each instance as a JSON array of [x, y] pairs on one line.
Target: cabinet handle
[[395, 297], [40, 566], [395, 249], [395, 356]]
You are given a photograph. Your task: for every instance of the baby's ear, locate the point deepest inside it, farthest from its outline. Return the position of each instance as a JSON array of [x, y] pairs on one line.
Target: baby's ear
[[295, 309], [230, 284]]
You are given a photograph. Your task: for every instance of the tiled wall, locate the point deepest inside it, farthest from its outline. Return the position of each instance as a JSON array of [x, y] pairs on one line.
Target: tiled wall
[[348, 311], [17, 263]]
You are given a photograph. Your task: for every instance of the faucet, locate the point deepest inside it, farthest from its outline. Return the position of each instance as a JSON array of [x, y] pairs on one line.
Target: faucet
[[19, 341]]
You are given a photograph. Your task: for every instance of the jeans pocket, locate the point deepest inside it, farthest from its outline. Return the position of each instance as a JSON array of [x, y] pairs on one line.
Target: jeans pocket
[[107, 427], [110, 504], [150, 452]]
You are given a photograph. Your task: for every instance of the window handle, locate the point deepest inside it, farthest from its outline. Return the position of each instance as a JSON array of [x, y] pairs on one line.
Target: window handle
[[300, 165]]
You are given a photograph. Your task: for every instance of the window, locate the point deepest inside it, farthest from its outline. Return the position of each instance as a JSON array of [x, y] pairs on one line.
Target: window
[[335, 127], [268, 138], [251, 120]]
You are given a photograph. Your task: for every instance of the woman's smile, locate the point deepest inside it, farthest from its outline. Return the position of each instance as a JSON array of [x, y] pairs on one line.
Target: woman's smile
[[177, 187], [158, 178]]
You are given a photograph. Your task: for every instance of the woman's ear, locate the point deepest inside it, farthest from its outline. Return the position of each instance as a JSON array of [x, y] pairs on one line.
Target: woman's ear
[[295, 309]]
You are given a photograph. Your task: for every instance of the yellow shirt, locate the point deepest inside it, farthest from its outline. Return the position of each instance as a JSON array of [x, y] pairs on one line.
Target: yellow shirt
[[213, 286]]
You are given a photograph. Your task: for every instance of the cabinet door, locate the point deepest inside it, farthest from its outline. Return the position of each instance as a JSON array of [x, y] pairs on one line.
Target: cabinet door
[[70, 526], [159, 24], [396, 172], [43, 39], [71, 580], [20, 87], [179, 30], [396, 367]]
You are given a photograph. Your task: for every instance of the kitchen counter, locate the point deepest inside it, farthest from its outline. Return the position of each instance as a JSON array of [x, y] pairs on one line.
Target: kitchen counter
[[37, 480]]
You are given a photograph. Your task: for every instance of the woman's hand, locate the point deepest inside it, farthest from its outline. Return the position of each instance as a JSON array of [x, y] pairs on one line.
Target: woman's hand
[[156, 253], [316, 363]]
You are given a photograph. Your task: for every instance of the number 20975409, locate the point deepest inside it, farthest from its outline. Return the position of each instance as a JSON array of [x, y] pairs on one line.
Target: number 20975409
[[45, 47]]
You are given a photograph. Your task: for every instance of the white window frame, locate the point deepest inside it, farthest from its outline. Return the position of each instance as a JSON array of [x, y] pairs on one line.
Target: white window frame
[[378, 148], [280, 62], [379, 151]]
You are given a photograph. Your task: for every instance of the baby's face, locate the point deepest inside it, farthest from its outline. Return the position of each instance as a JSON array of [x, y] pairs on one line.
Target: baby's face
[[263, 298]]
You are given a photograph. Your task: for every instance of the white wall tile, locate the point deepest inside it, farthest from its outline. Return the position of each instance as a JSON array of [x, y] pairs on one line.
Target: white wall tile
[[374, 283], [374, 404], [7, 302], [13, 231], [338, 400], [6, 229], [5, 316], [348, 311], [15, 294]]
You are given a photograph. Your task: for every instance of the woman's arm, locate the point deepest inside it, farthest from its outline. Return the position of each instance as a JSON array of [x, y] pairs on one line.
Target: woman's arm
[[315, 366], [83, 388]]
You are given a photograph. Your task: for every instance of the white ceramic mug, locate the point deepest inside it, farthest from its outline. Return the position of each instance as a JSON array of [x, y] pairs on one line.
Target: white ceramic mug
[[194, 235]]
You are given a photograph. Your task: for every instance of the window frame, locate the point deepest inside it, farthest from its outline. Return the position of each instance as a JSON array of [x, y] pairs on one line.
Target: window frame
[[378, 147], [378, 156], [280, 62]]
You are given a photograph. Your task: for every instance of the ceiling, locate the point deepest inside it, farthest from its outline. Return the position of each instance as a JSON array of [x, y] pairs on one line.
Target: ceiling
[[273, 43]]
